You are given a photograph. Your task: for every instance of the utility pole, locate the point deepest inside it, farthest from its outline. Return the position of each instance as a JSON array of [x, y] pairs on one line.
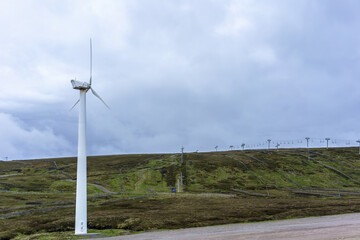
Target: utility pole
[[269, 140], [181, 175], [181, 178], [182, 155], [358, 141], [327, 142], [178, 183], [307, 145]]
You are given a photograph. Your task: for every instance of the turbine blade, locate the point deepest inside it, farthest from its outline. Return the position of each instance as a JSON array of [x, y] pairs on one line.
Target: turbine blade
[[97, 95], [90, 61], [75, 104]]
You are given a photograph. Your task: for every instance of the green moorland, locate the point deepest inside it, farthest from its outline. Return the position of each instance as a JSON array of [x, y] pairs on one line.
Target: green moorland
[[131, 193]]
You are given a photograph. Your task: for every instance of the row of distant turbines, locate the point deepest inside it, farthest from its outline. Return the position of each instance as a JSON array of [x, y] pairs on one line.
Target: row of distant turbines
[[277, 144]]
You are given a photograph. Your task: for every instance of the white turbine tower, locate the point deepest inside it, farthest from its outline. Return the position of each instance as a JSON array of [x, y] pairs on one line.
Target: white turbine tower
[[81, 193]]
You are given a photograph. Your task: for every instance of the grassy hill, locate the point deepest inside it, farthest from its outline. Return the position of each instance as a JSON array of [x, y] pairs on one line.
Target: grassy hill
[[133, 192]]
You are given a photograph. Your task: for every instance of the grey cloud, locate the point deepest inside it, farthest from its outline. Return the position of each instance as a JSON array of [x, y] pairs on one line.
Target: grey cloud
[[193, 74]]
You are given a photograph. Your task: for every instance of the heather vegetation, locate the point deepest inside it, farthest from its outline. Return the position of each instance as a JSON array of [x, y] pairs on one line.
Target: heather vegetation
[[129, 193]]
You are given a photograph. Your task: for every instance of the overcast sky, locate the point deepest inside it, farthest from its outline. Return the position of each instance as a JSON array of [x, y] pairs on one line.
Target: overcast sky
[[177, 73]]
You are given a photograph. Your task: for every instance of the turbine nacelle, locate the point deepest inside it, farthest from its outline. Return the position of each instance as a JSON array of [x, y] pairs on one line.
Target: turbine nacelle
[[86, 86], [80, 85]]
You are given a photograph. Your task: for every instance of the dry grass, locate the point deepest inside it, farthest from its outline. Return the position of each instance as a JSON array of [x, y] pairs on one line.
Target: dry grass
[[37, 196]]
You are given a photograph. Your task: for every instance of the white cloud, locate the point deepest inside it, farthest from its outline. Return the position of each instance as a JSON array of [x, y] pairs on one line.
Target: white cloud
[[237, 19], [41, 50], [264, 55], [19, 143], [111, 18], [175, 73]]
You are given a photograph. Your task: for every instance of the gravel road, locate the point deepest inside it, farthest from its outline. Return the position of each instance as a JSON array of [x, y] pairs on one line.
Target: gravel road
[[346, 226]]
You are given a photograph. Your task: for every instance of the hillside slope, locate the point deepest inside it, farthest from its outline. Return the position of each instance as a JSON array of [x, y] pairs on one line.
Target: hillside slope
[[286, 181]]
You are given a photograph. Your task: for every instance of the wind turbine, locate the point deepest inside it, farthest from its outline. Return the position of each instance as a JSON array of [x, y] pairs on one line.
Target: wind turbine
[[277, 146], [269, 140], [81, 191], [307, 146], [327, 142]]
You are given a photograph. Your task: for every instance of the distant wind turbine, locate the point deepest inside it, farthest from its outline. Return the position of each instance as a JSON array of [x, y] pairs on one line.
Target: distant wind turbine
[[243, 146], [307, 146], [277, 146], [327, 142], [81, 192]]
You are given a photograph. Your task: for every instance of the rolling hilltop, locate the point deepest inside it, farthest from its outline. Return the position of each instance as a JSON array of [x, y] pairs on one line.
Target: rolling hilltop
[[129, 193]]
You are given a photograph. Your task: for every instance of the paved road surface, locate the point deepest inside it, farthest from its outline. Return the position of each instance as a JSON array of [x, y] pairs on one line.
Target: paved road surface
[[345, 226]]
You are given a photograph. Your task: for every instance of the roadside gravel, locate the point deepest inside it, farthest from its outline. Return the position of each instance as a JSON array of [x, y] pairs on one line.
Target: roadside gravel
[[346, 227]]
